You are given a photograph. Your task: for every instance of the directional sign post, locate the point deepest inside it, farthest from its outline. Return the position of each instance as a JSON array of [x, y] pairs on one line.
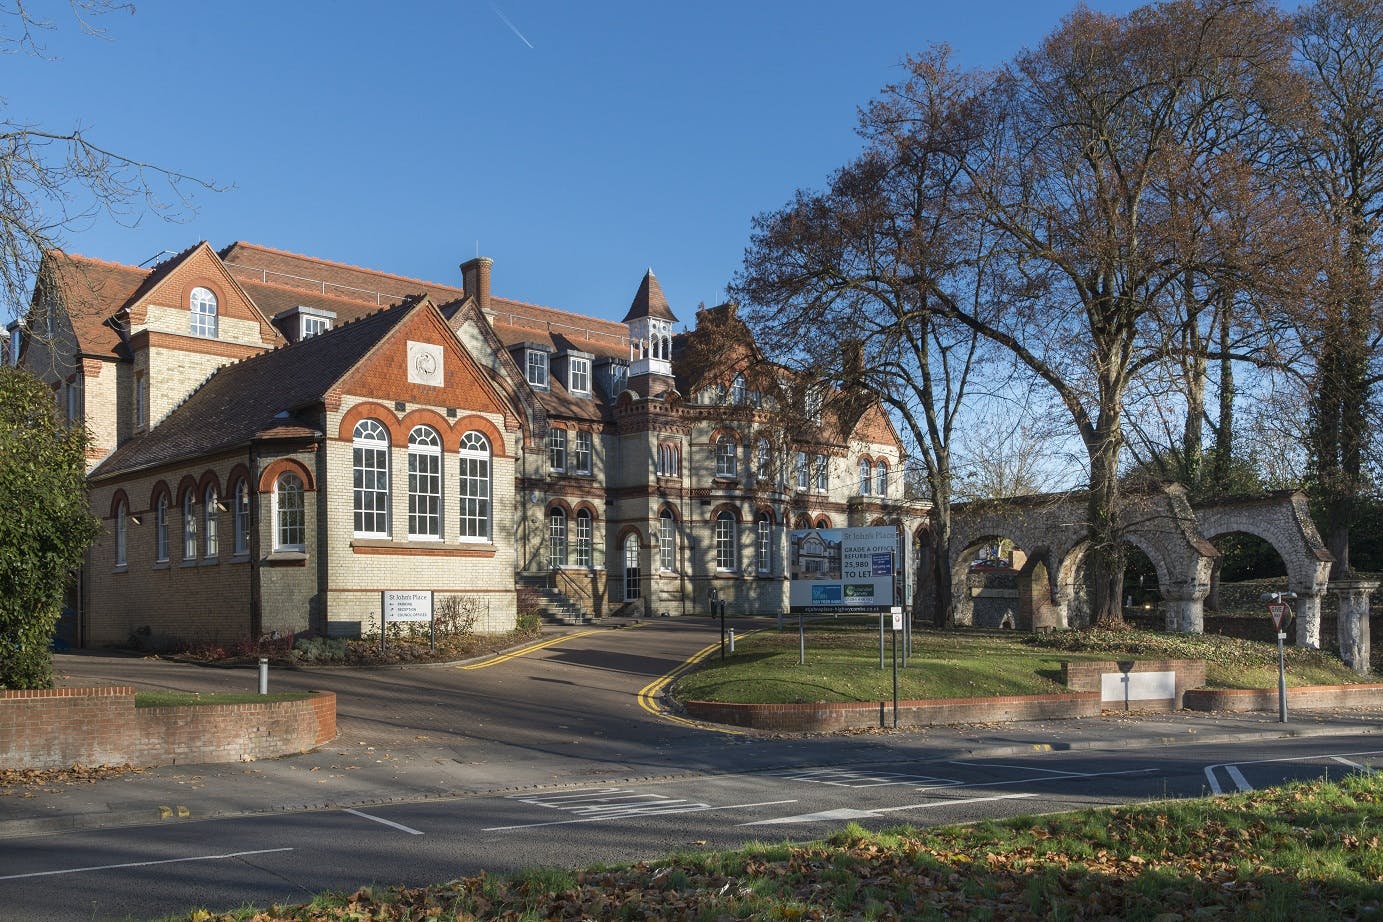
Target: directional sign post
[[897, 614], [1281, 613]]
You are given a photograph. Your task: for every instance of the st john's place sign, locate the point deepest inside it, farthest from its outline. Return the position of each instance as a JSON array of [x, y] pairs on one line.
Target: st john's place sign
[[405, 605], [842, 569]]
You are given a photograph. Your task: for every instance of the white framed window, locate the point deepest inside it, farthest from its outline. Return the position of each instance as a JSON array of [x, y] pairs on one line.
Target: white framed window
[[312, 325], [669, 460], [761, 461], [800, 465], [631, 567], [370, 465], [667, 541], [583, 538], [726, 542], [290, 514], [866, 476], [763, 535], [578, 375], [189, 526], [881, 478], [241, 523], [583, 452], [726, 450], [424, 484], [202, 305], [812, 404], [823, 474], [122, 515], [161, 529], [475, 487], [74, 400], [536, 363], [141, 401], [739, 391], [212, 538], [619, 377], [557, 449], [556, 537]]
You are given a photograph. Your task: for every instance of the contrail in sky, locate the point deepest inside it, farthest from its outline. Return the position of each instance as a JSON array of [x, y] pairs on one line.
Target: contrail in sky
[[513, 28]]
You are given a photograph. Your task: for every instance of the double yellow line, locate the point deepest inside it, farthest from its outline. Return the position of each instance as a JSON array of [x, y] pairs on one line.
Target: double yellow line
[[532, 648], [648, 695]]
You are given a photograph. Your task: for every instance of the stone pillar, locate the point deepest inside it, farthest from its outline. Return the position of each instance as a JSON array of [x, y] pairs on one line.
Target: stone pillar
[[1185, 614], [1061, 610], [1309, 619], [1353, 620]]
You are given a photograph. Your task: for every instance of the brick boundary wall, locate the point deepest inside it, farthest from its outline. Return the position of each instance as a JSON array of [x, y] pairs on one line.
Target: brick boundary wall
[[57, 728], [919, 713], [1084, 675], [1265, 699]]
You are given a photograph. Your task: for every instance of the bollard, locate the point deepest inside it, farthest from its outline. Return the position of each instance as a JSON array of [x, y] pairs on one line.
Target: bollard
[[263, 675], [732, 640]]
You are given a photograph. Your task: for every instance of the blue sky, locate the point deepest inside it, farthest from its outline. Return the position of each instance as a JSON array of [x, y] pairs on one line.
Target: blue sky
[[576, 144]]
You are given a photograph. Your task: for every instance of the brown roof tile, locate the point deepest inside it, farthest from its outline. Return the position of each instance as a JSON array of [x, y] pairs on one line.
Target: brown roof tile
[[93, 292], [649, 301]]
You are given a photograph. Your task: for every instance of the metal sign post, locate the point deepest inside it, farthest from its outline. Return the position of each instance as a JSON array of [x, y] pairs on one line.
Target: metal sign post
[[881, 639], [801, 640], [1281, 613], [897, 626]]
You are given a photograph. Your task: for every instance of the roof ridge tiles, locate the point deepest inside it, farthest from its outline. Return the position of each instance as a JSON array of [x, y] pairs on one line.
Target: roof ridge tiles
[[333, 263], [557, 310], [296, 289], [99, 261]]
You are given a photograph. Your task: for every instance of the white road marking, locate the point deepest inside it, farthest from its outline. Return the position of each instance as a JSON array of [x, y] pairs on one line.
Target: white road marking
[[1354, 765], [1238, 778], [379, 819], [846, 778], [1031, 768], [652, 810], [849, 814], [144, 864], [1228, 766]]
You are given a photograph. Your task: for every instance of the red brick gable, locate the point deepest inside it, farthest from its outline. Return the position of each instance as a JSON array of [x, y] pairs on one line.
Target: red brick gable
[[382, 373], [202, 267]]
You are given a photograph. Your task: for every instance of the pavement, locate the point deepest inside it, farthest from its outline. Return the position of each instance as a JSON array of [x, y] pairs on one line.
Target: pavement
[[416, 733]]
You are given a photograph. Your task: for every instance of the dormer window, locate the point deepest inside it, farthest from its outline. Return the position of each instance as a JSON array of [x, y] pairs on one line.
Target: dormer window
[[536, 363], [202, 304], [303, 322], [313, 326], [578, 375]]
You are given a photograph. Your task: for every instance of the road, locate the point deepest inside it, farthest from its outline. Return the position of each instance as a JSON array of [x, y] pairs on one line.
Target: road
[[549, 758]]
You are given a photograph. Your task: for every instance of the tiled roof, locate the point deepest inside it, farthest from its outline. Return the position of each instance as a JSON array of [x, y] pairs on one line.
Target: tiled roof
[[649, 301], [243, 400], [94, 291]]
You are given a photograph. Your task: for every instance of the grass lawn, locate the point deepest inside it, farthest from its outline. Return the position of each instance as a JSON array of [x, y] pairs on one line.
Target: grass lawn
[[183, 699], [1301, 852], [843, 664]]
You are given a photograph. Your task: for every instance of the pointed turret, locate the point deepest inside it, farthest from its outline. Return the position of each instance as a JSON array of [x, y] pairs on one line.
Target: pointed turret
[[650, 301]]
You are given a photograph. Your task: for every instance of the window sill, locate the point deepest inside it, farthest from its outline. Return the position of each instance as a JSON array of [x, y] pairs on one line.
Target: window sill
[[121, 568], [726, 479], [190, 563], [286, 559], [423, 548], [240, 558], [209, 561], [161, 565]]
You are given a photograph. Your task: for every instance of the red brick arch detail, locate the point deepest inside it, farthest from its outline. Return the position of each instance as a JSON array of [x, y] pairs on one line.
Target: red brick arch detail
[[209, 479], [803, 521], [624, 533], [558, 503], [116, 499], [451, 439], [669, 507], [234, 476], [283, 466], [188, 483], [715, 436], [823, 518], [732, 508], [398, 435], [159, 489], [765, 509], [866, 457], [484, 427], [586, 506]]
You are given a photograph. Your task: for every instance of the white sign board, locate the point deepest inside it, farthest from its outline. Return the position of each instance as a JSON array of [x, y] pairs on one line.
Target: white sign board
[[1138, 686], [841, 569], [897, 612], [407, 606]]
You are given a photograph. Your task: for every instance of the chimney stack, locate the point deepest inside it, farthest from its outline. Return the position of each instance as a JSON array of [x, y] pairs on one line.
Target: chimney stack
[[475, 278]]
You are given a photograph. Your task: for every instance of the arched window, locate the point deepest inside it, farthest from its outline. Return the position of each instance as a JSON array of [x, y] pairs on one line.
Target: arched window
[[800, 464], [370, 462], [122, 525], [583, 538], [761, 461], [202, 305], [725, 456], [726, 542], [189, 526], [424, 484], [631, 567], [667, 541], [556, 537], [881, 478], [763, 543], [823, 474], [475, 487], [739, 391], [241, 525], [866, 476], [161, 529], [213, 537], [290, 514]]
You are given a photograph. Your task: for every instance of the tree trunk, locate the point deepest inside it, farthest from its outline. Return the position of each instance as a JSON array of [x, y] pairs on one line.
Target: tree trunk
[[1105, 558], [1224, 432], [943, 594]]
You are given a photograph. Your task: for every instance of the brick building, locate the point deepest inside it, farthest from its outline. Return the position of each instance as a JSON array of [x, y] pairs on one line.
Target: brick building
[[277, 438]]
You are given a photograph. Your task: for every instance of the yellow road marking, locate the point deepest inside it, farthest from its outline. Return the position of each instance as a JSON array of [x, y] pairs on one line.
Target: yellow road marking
[[648, 695], [532, 648]]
